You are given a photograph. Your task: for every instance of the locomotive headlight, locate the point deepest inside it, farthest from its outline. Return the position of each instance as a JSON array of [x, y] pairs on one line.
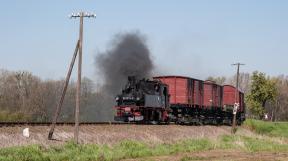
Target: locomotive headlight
[[137, 98], [117, 98]]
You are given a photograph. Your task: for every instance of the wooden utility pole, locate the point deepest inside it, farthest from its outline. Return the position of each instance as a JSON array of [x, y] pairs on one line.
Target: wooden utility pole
[[78, 49], [236, 99], [59, 105], [78, 92]]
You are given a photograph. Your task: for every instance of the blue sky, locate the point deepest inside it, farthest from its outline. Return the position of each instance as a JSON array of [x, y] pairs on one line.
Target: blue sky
[[192, 38]]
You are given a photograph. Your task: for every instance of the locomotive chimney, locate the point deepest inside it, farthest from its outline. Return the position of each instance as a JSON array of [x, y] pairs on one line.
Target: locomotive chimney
[[132, 79]]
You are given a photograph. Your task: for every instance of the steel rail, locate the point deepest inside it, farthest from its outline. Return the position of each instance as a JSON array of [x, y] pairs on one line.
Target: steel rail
[[12, 124]]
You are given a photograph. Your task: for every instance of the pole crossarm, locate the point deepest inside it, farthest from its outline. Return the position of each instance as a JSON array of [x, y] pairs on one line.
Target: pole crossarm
[[238, 64], [82, 14]]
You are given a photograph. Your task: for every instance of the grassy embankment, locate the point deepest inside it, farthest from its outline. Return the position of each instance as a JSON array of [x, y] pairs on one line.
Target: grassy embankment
[[134, 149], [276, 129]]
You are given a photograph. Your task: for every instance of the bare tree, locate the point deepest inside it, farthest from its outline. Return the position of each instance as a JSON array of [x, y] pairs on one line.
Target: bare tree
[[218, 80]]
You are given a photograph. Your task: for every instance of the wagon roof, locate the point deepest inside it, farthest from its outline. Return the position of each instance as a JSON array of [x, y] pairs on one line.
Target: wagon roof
[[175, 76], [233, 87]]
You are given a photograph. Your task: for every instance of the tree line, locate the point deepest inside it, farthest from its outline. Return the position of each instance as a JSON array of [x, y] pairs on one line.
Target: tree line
[[26, 97]]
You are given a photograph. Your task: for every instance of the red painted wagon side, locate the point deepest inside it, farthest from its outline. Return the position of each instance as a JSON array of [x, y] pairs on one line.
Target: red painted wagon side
[[177, 88], [229, 98], [183, 90], [212, 95], [197, 92]]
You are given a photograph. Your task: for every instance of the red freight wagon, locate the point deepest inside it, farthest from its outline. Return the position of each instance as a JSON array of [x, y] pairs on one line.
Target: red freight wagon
[[212, 95], [229, 97], [183, 90]]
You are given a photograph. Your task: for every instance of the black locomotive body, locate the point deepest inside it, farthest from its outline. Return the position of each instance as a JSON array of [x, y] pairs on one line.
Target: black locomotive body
[[143, 101]]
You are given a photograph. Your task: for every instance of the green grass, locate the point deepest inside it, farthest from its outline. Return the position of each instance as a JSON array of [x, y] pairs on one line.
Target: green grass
[[277, 129], [134, 149], [250, 144], [91, 152]]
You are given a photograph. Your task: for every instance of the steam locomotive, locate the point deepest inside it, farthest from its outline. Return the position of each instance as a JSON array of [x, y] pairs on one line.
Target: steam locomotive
[[179, 99], [143, 101]]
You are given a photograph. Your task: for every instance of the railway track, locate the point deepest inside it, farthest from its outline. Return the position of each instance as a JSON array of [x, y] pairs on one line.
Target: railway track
[[11, 124], [15, 124]]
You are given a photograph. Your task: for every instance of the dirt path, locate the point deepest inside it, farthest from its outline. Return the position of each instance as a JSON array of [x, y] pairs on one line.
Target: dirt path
[[223, 155], [110, 134]]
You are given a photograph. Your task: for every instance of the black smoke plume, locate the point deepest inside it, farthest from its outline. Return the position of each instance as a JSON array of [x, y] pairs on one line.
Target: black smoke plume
[[128, 55]]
